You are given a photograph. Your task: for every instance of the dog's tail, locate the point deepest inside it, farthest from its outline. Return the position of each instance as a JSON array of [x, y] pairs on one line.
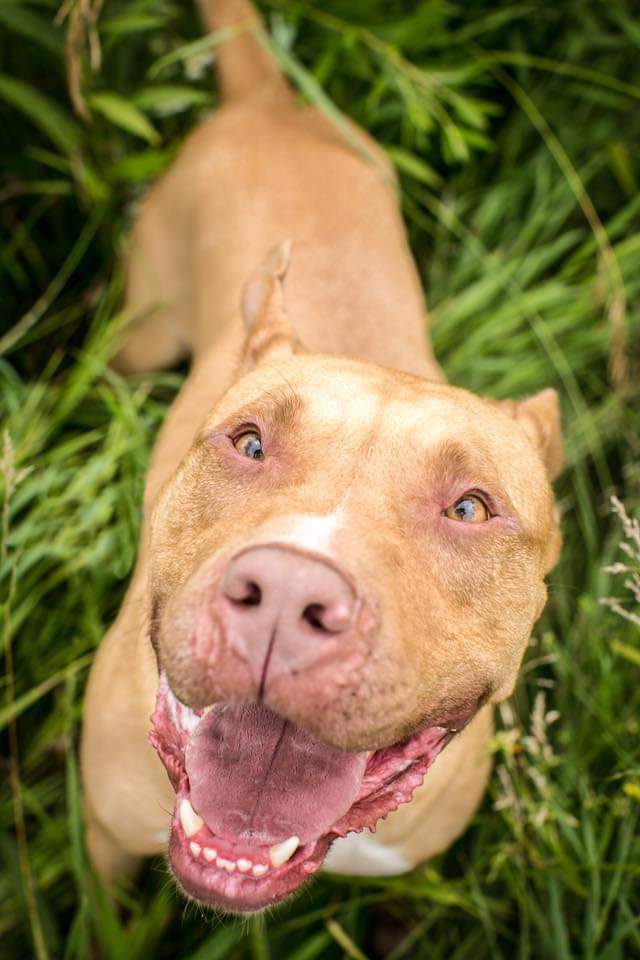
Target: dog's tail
[[244, 65]]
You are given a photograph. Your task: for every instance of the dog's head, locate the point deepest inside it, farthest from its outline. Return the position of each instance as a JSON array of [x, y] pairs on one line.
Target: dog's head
[[346, 565]]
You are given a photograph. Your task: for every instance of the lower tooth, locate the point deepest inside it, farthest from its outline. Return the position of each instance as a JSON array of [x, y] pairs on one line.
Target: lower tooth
[[259, 870], [195, 848], [227, 865], [244, 865], [210, 854], [281, 852]]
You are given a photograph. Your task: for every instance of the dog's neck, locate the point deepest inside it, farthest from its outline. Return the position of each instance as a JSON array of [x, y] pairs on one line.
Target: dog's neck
[[362, 328]]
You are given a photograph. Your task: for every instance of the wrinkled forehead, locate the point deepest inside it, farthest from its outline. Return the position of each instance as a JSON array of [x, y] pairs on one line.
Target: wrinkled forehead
[[349, 394], [346, 394], [435, 422], [386, 408], [388, 404]]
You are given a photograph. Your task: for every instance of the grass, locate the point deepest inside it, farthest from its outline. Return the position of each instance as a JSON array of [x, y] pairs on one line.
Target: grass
[[514, 127]]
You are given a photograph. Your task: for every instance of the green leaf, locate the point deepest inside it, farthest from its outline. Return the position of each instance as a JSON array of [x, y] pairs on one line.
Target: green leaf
[[632, 654], [18, 706], [142, 166], [472, 112], [124, 114], [169, 99], [127, 23], [23, 21], [414, 166], [52, 119], [623, 167], [193, 49], [454, 143]]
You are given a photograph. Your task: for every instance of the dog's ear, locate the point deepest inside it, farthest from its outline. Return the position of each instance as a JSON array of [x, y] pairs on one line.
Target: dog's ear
[[269, 333], [539, 416]]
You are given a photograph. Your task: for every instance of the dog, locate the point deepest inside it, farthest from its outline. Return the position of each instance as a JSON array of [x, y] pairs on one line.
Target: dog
[[342, 557]]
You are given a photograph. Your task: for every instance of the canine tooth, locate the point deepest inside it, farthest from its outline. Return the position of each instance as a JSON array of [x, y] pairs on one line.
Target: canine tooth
[[189, 819], [227, 865], [195, 848], [281, 852], [244, 865], [259, 870], [210, 854]]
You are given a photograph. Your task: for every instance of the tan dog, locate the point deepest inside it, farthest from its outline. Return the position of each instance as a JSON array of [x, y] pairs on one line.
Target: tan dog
[[342, 557]]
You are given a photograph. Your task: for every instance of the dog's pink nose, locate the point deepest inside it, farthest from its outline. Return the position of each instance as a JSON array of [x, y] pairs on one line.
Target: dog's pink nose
[[284, 605]]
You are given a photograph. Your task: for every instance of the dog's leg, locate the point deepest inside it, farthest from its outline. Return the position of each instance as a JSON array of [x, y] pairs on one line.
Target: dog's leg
[[161, 298], [127, 796], [156, 302], [110, 861]]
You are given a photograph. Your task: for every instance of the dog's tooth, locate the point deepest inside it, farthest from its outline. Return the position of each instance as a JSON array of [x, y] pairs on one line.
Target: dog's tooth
[[189, 819], [281, 852], [259, 869], [209, 854], [195, 848], [244, 865]]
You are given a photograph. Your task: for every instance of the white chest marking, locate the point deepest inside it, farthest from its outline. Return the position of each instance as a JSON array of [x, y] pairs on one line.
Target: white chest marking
[[361, 854]]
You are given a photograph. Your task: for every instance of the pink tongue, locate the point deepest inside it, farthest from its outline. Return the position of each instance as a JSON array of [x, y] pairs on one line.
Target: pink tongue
[[255, 776]]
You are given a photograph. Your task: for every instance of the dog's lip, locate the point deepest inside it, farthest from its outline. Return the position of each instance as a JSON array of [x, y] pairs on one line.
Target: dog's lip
[[236, 891], [239, 877], [390, 777]]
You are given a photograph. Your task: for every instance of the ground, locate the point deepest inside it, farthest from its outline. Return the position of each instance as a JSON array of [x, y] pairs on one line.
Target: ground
[[514, 127]]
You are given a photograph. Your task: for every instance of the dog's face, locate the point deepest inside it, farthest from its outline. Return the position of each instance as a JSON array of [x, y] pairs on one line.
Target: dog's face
[[345, 567]]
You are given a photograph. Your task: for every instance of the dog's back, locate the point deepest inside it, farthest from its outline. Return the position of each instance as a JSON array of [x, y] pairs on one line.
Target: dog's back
[[264, 168]]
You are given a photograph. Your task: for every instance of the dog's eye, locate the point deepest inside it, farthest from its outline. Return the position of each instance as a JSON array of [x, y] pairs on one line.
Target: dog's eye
[[469, 509], [249, 445]]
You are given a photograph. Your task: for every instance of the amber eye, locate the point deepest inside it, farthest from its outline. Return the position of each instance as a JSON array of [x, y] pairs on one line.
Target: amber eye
[[469, 509], [249, 445]]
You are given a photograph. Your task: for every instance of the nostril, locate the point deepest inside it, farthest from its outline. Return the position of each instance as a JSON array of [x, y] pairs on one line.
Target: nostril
[[313, 614], [332, 619], [249, 595]]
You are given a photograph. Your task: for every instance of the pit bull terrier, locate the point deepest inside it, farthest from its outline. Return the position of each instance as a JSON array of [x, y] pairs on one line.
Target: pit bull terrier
[[342, 557]]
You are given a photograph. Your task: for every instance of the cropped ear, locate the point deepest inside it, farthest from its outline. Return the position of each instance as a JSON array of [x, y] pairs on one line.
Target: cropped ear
[[539, 416], [269, 333]]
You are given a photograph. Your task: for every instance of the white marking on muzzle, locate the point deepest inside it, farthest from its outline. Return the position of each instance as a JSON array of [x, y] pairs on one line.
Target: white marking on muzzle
[[308, 531]]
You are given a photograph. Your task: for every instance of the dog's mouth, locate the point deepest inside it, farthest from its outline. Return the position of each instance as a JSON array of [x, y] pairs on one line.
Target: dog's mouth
[[259, 801]]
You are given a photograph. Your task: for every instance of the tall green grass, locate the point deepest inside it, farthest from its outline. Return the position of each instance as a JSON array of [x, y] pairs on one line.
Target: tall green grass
[[514, 127]]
